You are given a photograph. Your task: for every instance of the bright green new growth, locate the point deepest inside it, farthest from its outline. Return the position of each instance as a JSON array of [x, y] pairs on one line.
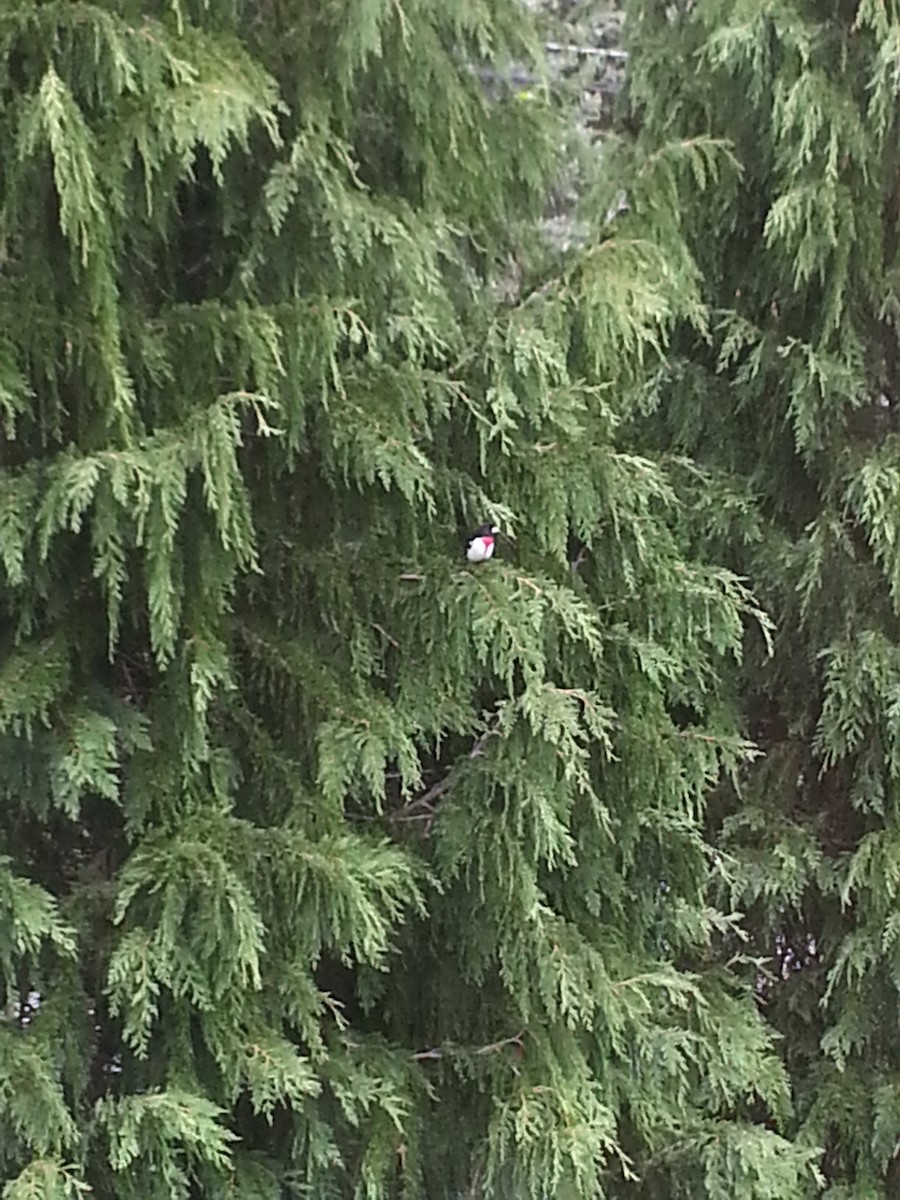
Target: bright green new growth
[[334, 867]]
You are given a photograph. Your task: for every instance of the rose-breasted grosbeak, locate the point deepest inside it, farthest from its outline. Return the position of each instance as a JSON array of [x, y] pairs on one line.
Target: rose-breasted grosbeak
[[480, 546]]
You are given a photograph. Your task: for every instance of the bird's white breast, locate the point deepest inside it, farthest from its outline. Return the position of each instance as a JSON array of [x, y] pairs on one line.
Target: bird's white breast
[[480, 549]]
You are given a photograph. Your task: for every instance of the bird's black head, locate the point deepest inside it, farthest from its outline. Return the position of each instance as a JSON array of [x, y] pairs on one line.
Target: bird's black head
[[486, 530]]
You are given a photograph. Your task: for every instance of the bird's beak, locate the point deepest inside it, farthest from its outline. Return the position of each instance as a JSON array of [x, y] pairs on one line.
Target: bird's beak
[[495, 529]]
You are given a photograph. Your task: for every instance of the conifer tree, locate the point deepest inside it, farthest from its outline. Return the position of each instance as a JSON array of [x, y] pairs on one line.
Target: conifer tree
[[788, 413], [330, 864]]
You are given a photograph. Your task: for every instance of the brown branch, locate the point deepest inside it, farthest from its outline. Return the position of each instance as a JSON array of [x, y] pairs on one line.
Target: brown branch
[[523, 579], [439, 1052], [424, 801], [384, 633], [411, 811], [518, 1039]]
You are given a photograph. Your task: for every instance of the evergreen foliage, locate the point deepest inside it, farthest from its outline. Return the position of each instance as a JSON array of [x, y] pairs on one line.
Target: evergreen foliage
[[788, 409], [332, 866]]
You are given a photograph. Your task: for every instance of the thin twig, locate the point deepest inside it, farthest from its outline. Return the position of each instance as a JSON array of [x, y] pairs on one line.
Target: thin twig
[[427, 800], [529, 583], [438, 1052], [592, 51], [384, 633], [516, 1040], [424, 801]]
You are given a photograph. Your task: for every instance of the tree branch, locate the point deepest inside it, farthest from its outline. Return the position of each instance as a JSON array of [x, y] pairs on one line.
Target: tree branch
[[422, 808], [438, 1052]]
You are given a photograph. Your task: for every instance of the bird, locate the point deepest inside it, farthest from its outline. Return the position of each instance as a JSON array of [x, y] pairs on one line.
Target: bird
[[480, 544]]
